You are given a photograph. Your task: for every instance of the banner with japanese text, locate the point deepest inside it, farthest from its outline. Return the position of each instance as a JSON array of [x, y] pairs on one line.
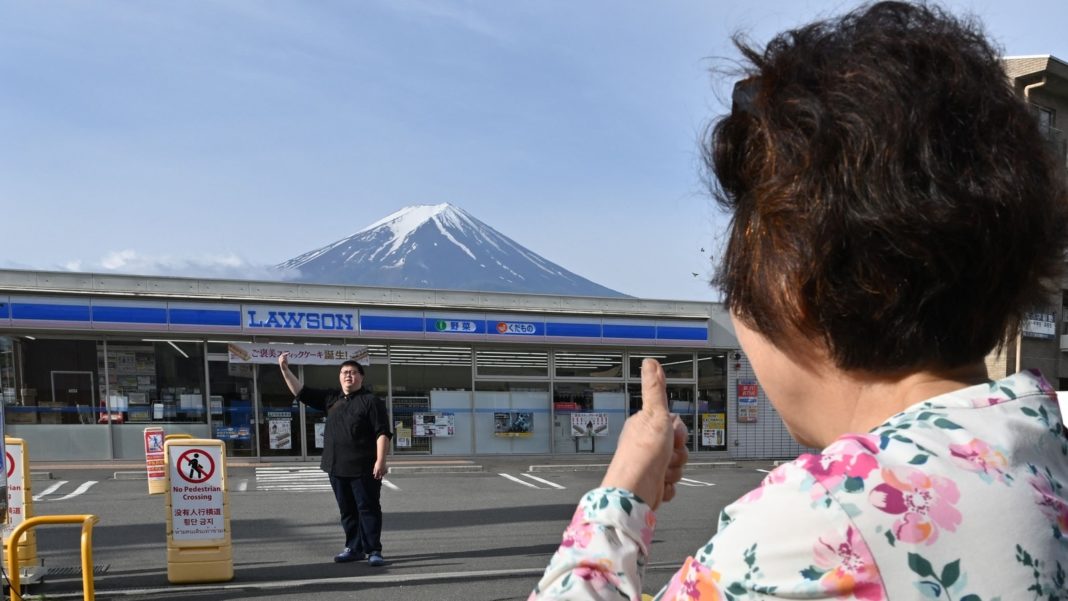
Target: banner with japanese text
[[299, 354]]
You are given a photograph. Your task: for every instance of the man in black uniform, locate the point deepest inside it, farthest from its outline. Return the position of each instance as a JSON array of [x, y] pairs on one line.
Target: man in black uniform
[[354, 455]]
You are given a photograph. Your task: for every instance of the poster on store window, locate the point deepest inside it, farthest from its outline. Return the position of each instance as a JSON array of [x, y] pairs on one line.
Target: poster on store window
[[589, 424], [748, 408], [320, 435], [279, 432], [513, 424], [402, 436], [713, 429], [437, 425]]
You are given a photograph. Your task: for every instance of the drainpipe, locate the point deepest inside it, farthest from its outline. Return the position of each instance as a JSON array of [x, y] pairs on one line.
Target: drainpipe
[[1027, 98], [1027, 89]]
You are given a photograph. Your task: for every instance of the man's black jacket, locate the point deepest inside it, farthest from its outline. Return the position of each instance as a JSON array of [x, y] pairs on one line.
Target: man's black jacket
[[353, 425]]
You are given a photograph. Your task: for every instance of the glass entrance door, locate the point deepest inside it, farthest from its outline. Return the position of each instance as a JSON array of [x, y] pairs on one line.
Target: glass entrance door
[[280, 431], [317, 376]]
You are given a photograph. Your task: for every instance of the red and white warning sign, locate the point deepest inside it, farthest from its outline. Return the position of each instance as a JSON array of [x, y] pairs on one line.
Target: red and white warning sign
[[16, 492], [196, 489], [157, 471]]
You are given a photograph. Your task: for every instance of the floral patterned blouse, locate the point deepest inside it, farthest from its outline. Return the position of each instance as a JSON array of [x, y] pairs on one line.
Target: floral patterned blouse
[[962, 497]]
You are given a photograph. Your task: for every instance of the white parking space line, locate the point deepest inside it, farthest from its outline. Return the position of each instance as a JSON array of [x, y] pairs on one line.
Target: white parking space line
[[77, 491], [49, 490], [389, 485], [689, 482], [543, 481], [523, 482]]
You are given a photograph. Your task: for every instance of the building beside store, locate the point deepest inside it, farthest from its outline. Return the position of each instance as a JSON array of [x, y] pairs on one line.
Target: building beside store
[[87, 361], [1042, 81]]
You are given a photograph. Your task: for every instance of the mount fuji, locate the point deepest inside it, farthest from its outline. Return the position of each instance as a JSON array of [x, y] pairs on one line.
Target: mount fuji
[[440, 247]]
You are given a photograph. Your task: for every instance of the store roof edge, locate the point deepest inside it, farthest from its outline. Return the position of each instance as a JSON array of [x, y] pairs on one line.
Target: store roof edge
[[183, 288]]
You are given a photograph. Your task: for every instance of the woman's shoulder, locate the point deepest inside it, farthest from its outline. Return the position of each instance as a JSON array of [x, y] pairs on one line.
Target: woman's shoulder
[[922, 495]]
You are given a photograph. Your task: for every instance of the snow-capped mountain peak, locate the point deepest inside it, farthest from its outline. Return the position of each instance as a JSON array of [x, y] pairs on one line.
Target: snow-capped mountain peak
[[437, 246]]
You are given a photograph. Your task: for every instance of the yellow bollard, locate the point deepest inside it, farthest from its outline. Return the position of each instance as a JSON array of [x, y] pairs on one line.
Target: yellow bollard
[[87, 522]]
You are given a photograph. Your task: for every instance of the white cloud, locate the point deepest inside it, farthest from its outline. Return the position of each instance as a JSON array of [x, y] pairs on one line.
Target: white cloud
[[128, 261]]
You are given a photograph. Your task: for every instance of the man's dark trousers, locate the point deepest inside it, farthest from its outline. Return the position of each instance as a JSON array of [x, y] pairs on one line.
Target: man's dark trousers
[[358, 499]]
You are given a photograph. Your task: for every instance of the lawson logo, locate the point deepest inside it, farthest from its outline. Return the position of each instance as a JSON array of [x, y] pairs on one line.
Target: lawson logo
[[299, 320]]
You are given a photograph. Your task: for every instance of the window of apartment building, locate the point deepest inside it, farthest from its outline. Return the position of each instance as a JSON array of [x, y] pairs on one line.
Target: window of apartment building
[[1047, 117]]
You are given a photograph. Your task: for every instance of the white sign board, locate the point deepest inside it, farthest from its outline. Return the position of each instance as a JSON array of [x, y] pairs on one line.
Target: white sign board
[[197, 497], [439, 425], [1040, 324], [16, 493], [589, 424], [299, 354]]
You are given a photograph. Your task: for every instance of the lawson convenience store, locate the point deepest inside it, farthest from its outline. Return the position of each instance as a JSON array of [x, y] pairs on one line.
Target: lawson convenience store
[[87, 361]]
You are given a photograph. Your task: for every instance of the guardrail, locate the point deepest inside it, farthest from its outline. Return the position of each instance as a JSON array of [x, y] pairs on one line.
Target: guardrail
[[87, 521]]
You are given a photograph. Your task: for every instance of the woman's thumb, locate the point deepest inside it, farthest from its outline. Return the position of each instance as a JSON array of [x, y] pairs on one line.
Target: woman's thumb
[[654, 393]]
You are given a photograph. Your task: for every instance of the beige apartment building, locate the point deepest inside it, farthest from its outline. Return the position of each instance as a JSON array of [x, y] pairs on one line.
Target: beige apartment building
[[1042, 81]]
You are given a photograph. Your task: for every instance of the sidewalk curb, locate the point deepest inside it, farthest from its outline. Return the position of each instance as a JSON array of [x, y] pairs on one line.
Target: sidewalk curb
[[591, 467], [436, 469], [138, 475]]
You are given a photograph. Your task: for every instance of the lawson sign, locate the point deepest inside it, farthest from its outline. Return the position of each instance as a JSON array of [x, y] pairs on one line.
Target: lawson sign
[[306, 320]]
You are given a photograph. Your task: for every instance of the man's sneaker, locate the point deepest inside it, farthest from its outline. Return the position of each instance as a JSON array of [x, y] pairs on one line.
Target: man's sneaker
[[348, 555], [376, 559]]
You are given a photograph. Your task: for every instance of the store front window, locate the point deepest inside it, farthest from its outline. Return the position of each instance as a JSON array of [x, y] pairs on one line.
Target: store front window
[[230, 406], [588, 416], [712, 401], [588, 364], [677, 366], [512, 363], [48, 381], [511, 417], [431, 399], [680, 402], [150, 381]]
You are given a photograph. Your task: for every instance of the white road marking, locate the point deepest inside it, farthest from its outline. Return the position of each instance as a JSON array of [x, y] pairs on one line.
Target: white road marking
[[292, 479], [689, 482], [553, 484], [242, 485], [49, 490], [765, 471], [523, 482], [77, 491], [297, 479]]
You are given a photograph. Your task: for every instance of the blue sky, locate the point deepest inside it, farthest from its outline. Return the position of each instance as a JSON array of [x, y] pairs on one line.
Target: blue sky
[[215, 139]]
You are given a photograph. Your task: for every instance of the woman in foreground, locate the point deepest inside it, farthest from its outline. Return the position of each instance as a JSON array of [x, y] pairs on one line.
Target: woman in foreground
[[895, 213]]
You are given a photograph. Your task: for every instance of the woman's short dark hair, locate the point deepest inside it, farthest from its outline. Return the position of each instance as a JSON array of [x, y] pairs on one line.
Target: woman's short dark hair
[[892, 197]]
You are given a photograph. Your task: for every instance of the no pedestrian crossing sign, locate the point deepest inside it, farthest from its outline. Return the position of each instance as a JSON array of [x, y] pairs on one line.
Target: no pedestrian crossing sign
[[196, 490]]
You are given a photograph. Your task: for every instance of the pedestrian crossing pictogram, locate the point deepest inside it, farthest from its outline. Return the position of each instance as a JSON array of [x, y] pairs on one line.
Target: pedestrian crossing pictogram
[[195, 466]]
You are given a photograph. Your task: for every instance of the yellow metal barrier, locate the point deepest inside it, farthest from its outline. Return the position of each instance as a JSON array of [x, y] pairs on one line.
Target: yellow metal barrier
[[86, 521]]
